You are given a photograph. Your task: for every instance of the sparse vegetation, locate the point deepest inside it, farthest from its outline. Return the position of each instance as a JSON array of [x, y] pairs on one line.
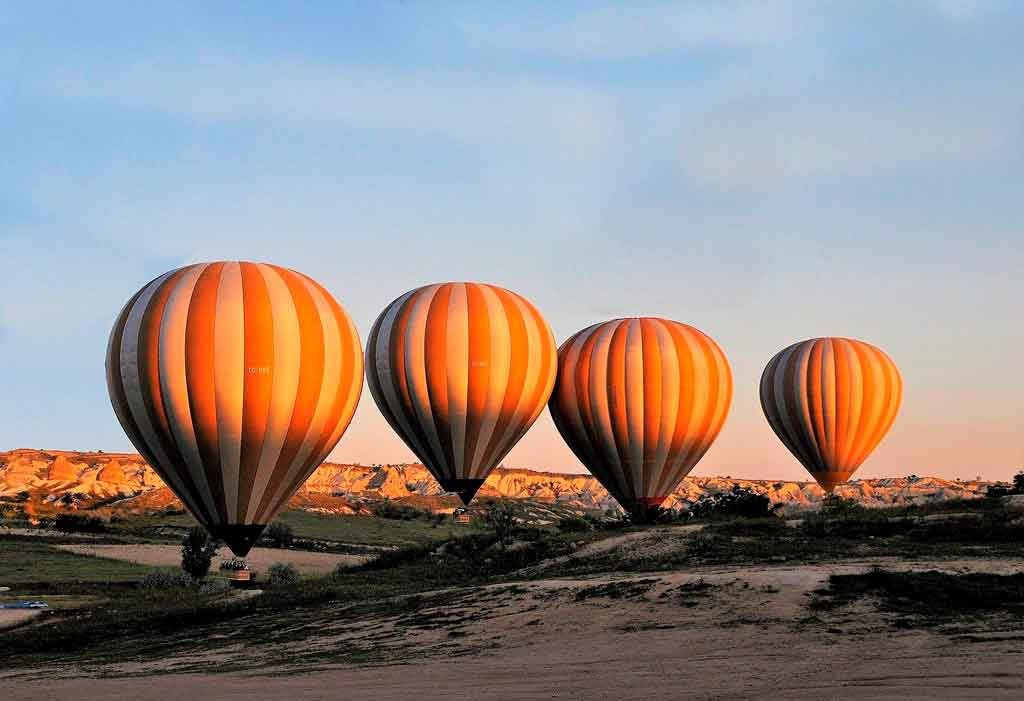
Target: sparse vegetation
[[575, 524], [931, 594], [399, 512], [282, 574], [641, 514], [197, 551], [166, 580], [629, 589]]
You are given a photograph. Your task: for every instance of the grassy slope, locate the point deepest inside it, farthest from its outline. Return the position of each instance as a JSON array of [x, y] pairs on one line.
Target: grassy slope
[[367, 530]]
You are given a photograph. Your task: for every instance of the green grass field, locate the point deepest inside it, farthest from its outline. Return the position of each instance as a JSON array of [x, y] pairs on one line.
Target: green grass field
[[25, 562], [367, 530]]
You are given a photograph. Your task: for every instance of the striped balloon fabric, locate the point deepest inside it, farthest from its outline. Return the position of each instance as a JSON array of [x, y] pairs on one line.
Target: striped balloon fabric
[[831, 401], [234, 381], [460, 371], [639, 401]]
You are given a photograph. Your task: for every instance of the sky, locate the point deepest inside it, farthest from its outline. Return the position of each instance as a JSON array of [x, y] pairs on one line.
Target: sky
[[764, 171]]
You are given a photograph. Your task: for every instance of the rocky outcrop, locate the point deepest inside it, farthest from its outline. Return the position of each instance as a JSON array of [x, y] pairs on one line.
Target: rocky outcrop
[[90, 478]]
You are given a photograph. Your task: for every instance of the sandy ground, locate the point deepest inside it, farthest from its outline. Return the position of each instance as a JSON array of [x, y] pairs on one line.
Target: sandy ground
[[259, 559], [720, 633], [12, 617]]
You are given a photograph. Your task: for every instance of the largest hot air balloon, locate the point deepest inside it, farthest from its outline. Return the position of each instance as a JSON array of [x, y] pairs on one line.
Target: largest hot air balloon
[[460, 370], [831, 401], [234, 381], [639, 401]]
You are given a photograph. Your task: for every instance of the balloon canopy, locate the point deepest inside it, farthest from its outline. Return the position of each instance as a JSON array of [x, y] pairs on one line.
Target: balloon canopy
[[234, 381], [460, 371], [831, 401], [639, 401]]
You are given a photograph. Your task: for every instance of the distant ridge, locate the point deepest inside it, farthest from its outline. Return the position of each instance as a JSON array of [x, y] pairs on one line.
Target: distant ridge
[[96, 478]]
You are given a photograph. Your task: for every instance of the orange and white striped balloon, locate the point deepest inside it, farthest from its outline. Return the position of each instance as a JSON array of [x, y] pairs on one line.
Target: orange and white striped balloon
[[831, 401], [639, 401], [460, 370], [234, 381]]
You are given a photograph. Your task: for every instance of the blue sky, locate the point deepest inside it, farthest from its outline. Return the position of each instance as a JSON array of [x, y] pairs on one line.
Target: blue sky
[[765, 171]]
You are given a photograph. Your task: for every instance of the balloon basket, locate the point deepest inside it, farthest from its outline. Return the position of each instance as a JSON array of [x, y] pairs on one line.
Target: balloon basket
[[240, 580]]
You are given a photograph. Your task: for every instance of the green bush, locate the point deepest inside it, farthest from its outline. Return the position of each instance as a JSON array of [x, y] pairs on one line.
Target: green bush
[[575, 524], [282, 574]]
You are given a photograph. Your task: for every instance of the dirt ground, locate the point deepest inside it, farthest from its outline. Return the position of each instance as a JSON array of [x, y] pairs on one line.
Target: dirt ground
[[729, 632], [12, 617], [259, 559]]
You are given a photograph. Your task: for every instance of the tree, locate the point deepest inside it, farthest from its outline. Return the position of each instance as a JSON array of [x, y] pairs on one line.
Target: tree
[[501, 516], [1018, 483], [280, 535], [73, 523], [738, 502], [197, 550]]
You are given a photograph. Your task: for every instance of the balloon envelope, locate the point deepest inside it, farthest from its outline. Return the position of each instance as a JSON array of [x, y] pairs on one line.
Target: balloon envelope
[[831, 401], [639, 401], [460, 371], [234, 381]]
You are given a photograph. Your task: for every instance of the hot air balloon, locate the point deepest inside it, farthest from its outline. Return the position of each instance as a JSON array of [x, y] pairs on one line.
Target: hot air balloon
[[639, 401], [234, 381], [460, 370], [831, 401]]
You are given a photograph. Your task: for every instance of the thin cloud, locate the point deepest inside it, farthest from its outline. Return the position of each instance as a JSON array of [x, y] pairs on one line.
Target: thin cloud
[[564, 117], [776, 142], [632, 30]]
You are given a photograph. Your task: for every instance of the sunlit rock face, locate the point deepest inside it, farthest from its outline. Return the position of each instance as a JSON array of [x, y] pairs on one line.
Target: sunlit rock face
[[92, 477]]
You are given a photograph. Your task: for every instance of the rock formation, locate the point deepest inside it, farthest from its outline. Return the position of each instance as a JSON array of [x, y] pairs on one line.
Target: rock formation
[[100, 478]]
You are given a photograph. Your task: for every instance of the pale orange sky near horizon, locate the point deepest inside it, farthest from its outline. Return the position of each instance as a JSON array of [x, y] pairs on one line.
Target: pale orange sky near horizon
[[924, 441]]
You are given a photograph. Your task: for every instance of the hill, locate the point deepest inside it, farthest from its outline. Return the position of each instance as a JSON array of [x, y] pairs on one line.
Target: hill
[[53, 479]]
